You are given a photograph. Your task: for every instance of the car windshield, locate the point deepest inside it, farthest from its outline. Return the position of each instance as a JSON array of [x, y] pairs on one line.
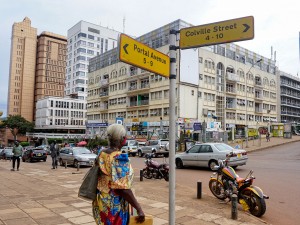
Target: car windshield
[[223, 147], [132, 143], [164, 142], [78, 151], [7, 150]]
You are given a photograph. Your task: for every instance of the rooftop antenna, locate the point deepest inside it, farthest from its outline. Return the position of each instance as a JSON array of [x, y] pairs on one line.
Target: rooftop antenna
[[271, 52], [124, 24], [275, 56]]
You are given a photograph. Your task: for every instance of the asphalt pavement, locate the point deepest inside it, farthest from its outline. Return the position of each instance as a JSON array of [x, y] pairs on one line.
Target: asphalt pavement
[[39, 195]]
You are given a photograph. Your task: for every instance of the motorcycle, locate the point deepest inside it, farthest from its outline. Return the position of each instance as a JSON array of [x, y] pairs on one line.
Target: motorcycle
[[155, 170], [226, 181]]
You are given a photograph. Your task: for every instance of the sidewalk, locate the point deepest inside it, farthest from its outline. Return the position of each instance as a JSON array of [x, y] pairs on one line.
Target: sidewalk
[[38, 195]]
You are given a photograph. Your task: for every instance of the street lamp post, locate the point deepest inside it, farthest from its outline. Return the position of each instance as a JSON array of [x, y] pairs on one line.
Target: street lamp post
[[246, 126]]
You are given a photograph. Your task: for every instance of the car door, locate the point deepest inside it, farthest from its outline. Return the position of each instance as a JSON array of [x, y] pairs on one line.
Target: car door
[[191, 156], [205, 154]]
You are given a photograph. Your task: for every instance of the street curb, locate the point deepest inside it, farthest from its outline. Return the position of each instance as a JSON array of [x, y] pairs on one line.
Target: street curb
[[267, 147]]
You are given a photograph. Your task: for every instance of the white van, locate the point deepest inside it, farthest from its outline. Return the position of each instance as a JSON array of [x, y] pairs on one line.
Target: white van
[[130, 147]]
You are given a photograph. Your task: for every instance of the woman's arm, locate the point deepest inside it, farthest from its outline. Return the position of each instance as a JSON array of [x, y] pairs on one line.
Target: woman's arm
[[129, 197]]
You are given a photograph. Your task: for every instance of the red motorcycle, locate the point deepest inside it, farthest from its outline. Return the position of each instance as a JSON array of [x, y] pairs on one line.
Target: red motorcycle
[[225, 182], [154, 169]]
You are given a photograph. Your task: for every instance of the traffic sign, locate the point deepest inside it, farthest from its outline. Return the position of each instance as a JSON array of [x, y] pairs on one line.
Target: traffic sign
[[216, 33], [137, 54], [119, 120]]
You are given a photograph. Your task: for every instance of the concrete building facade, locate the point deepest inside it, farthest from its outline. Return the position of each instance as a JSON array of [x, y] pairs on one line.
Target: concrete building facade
[[22, 70], [289, 98], [50, 66], [59, 113], [230, 87], [85, 41]]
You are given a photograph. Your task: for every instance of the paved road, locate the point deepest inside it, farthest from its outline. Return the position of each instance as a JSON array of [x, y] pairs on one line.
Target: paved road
[[277, 172]]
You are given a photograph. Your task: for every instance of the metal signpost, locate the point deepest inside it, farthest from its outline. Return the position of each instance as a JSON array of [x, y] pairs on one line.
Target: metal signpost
[[140, 55]]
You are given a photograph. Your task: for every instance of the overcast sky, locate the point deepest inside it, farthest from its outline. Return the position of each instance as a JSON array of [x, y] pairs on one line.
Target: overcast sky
[[277, 23]]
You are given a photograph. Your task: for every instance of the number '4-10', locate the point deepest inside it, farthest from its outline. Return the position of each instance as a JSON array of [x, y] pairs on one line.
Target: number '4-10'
[[217, 36], [145, 61]]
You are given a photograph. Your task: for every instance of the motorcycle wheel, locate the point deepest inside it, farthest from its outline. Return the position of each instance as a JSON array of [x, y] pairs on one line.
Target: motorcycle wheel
[[147, 174], [257, 205], [166, 177], [217, 189]]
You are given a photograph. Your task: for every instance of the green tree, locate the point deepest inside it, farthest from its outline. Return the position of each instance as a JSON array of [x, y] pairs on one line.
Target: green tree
[[17, 125]]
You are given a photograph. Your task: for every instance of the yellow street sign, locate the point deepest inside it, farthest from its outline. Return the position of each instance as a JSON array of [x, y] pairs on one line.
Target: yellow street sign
[[137, 54], [216, 33]]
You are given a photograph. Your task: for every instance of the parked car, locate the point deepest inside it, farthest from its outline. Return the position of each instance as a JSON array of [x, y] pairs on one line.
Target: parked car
[[76, 156], [6, 153], [156, 147], [130, 147], [46, 148], [208, 154], [34, 154]]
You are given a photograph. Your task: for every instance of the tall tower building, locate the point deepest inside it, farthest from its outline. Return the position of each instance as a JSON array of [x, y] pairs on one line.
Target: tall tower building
[[85, 41], [22, 70], [50, 66]]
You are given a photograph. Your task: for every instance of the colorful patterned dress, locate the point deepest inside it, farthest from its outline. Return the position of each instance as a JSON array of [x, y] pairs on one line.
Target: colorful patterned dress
[[116, 173]]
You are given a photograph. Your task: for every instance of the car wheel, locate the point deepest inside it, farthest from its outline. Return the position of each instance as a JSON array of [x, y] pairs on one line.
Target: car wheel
[[154, 155], [76, 164], [140, 154], [212, 164], [44, 160], [133, 154], [61, 163], [179, 164], [166, 155], [23, 160]]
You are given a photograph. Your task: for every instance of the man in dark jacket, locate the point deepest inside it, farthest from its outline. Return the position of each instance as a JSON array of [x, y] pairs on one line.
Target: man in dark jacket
[[53, 152]]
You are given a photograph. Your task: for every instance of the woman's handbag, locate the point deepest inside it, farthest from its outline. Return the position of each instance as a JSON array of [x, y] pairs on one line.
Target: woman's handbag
[[88, 188], [148, 220]]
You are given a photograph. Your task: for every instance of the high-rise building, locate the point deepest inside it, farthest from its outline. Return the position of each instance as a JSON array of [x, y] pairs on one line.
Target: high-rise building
[[22, 70], [85, 41], [37, 68], [50, 66]]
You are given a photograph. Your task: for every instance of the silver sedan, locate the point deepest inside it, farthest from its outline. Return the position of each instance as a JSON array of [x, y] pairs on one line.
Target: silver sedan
[[76, 156], [208, 154]]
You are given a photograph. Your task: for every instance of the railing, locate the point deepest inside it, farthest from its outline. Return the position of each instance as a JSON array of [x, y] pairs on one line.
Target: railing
[[230, 90], [131, 88], [103, 94], [103, 82], [52, 135], [232, 77]]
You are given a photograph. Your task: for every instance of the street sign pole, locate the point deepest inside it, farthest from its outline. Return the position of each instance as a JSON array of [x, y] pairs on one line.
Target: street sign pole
[[172, 122]]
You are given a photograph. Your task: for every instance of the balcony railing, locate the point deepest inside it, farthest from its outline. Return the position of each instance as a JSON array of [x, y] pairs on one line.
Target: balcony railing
[[133, 87], [232, 77], [230, 90], [103, 82], [102, 94]]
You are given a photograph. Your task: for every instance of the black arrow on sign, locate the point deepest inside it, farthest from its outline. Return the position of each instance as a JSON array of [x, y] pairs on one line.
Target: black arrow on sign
[[124, 47], [246, 27]]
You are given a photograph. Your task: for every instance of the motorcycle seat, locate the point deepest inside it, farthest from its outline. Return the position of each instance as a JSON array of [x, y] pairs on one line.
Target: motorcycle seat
[[240, 179]]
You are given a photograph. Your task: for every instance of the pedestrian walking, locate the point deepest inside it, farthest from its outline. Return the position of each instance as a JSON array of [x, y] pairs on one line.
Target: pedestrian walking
[[114, 192], [268, 136], [17, 153], [53, 152]]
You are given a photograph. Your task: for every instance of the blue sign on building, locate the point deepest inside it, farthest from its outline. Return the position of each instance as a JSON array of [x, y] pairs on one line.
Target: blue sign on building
[[97, 125], [119, 120], [197, 126]]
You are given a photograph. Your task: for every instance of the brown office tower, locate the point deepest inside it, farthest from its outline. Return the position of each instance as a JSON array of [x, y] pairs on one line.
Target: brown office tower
[[22, 70], [50, 66]]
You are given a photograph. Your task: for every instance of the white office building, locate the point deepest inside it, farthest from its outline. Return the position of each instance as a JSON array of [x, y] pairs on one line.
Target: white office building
[[57, 113], [85, 41]]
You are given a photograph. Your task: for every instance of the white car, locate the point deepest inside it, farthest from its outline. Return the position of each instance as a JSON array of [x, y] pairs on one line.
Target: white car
[[208, 154], [130, 147]]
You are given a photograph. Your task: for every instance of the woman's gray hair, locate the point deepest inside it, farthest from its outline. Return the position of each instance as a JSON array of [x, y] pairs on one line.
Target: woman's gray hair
[[115, 134]]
